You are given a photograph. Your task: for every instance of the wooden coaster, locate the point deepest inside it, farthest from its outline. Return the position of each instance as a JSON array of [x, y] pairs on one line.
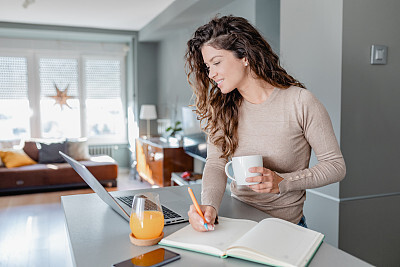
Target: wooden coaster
[[145, 242]]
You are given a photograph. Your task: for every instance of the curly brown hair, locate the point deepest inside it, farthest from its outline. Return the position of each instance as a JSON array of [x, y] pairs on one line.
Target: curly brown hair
[[217, 112]]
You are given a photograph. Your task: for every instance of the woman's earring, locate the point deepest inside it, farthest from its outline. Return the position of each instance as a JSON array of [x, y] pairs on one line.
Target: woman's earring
[[246, 64]]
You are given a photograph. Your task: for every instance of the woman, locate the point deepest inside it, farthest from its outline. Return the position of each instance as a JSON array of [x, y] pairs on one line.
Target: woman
[[249, 105]]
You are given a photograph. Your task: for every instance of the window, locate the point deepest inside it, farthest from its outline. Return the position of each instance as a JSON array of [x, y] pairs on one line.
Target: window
[[104, 107], [14, 104], [95, 84], [59, 120]]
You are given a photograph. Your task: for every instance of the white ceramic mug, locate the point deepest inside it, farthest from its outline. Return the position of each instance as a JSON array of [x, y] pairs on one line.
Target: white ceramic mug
[[241, 165]]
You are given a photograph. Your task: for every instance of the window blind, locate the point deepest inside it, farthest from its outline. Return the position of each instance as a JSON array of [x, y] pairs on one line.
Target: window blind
[[60, 72], [13, 78], [103, 79]]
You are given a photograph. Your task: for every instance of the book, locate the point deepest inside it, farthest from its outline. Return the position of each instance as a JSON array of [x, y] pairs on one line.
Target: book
[[272, 241]]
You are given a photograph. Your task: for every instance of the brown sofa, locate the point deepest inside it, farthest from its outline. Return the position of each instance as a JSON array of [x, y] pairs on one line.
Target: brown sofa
[[58, 175], [39, 177]]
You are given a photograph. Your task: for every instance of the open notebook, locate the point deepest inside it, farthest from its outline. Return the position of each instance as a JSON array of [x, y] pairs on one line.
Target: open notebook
[[272, 241]]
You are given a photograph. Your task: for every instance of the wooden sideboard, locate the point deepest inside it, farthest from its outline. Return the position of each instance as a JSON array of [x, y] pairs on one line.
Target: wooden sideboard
[[156, 160]]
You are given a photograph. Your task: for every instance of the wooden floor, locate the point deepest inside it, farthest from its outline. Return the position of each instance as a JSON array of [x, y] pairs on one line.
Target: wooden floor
[[32, 226]]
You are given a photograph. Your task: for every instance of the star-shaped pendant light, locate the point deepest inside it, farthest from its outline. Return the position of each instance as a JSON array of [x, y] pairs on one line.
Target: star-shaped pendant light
[[62, 97]]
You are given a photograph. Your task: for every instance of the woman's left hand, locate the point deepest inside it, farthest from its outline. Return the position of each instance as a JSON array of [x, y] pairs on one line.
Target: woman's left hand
[[268, 181]]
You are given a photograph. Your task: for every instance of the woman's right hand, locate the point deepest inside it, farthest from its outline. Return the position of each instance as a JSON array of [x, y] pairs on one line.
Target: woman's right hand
[[197, 221]]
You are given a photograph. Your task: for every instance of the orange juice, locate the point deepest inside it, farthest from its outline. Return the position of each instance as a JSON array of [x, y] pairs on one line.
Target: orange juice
[[149, 226]]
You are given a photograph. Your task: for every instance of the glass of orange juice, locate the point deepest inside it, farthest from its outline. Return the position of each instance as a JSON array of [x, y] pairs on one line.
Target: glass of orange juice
[[147, 219]]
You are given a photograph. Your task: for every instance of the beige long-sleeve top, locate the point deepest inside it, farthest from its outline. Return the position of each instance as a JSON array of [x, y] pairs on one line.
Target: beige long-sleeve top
[[283, 129]]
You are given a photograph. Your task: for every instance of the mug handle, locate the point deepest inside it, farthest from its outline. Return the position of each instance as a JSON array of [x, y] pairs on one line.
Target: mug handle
[[227, 171]]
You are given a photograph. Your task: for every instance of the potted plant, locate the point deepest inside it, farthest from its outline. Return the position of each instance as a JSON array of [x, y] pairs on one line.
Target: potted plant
[[174, 129], [172, 132]]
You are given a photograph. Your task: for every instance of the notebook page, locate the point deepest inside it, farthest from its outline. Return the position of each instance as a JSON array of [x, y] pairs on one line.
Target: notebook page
[[225, 233], [281, 240]]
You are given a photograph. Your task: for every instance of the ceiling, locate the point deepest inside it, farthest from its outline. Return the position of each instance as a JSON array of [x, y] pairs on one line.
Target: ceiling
[[130, 15]]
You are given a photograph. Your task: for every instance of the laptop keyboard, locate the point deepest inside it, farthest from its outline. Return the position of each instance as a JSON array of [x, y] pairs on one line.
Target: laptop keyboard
[[168, 214]]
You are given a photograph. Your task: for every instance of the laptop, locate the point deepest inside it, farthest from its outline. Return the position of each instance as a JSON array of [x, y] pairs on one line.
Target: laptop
[[174, 210]]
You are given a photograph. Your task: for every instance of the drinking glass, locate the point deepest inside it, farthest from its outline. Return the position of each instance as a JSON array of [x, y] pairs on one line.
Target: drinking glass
[[147, 219]]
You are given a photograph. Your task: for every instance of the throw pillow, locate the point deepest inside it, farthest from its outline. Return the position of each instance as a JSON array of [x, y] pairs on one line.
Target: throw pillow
[[48, 153], [78, 149], [30, 148], [15, 158]]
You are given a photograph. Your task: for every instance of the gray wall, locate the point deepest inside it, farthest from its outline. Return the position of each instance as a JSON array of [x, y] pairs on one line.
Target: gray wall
[[370, 102], [330, 54], [147, 82], [370, 132], [174, 90], [268, 21]]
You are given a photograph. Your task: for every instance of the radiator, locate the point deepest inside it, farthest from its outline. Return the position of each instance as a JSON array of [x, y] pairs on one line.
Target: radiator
[[102, 150]]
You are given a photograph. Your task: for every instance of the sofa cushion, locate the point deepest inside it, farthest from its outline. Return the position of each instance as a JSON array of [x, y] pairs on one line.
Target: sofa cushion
[[15, 158], [48, 153], [30, 148], [78, 149]]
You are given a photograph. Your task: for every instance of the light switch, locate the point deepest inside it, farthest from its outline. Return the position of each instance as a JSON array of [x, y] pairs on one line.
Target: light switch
[[378, 54]]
